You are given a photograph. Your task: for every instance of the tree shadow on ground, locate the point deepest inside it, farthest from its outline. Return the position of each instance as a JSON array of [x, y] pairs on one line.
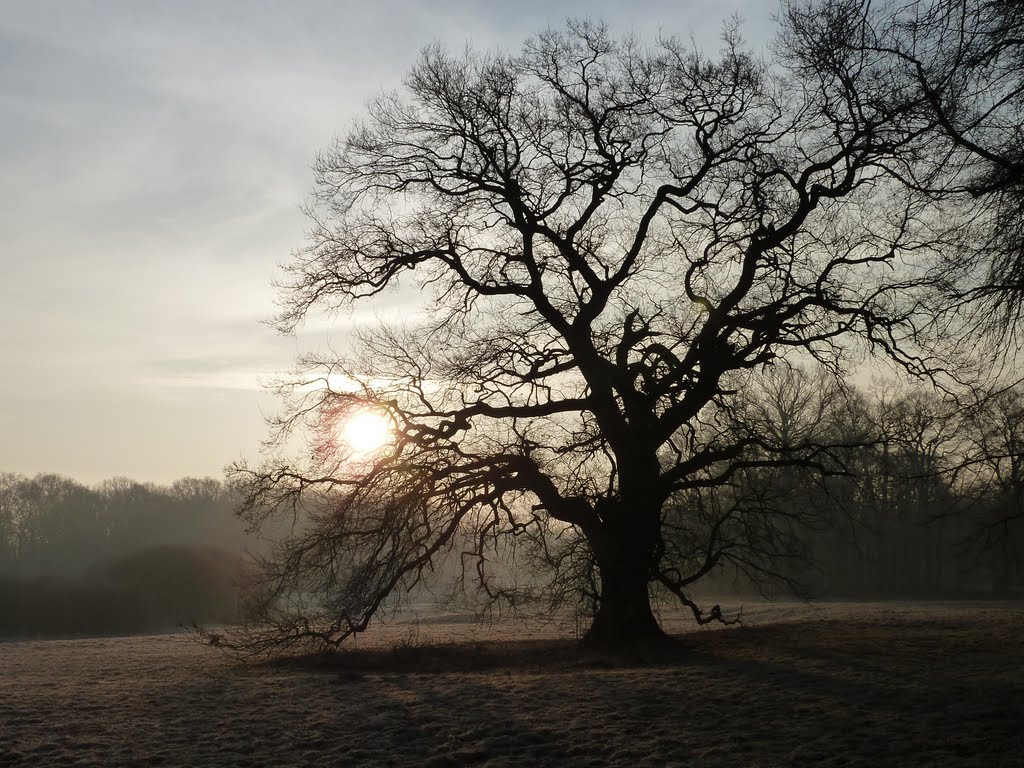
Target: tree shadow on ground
[[795, 694]]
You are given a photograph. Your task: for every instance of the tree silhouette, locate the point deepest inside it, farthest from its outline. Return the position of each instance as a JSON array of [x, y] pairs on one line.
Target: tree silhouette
[[954, 69], [613, 241], [994, 465]]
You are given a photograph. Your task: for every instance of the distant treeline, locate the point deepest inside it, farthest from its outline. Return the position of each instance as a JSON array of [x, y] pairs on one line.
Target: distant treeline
[[50, 524], [926, 499], [119, 557]]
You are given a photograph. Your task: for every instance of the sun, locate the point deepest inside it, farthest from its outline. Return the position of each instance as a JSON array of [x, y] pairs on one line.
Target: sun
[[367, 431]]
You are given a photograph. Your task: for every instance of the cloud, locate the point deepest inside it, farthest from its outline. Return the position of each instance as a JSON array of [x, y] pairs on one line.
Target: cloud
[[154, 159]]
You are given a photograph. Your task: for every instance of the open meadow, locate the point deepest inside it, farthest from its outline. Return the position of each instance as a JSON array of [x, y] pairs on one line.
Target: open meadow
[[839, 684]]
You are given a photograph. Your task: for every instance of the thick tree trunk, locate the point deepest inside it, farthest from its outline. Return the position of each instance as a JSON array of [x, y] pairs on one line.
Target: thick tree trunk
[[624, 618]]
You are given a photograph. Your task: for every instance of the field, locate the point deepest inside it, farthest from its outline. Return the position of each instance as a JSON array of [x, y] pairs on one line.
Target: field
[[886, 684]]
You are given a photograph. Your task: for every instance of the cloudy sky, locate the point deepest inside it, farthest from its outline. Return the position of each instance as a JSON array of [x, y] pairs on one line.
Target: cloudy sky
[[153, 158]]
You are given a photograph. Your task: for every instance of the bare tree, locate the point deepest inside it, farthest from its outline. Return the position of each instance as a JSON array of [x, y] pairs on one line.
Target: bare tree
[[615, 240], [10, 488], [994, 468], [763, 521], [955, 70], [921, 449]]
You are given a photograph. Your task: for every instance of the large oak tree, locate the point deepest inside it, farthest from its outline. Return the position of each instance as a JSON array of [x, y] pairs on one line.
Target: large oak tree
[[613, 242]]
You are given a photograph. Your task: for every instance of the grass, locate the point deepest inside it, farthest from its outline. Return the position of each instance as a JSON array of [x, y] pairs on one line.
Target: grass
[[845, 685]]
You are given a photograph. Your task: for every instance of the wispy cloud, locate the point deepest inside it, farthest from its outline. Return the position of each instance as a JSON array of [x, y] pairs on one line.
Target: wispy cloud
[[154, 158]]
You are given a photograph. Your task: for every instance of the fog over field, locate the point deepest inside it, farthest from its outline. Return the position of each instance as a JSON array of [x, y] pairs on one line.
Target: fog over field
[[124, 557]]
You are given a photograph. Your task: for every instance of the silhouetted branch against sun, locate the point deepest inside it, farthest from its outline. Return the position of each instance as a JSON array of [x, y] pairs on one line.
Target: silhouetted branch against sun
[[619, 245]]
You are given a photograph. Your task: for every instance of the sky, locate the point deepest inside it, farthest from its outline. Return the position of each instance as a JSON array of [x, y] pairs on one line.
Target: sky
[[153, 160]]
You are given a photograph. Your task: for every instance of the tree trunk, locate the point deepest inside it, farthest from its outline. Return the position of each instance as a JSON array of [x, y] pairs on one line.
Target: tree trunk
[[624, 618]]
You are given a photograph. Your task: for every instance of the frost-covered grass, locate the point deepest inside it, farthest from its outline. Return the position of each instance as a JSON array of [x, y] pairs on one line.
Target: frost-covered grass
[[881, 684]]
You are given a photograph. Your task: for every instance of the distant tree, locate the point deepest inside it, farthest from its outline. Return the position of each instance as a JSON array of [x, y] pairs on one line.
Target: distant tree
[[764, 522], [51, 524], [196, 490], [122, 557], [919, 450], [994, 431], [9, 513], [615, 241], [59, 522]]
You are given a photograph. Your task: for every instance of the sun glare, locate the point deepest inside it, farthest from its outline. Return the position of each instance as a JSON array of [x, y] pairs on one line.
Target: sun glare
[[367, 431]]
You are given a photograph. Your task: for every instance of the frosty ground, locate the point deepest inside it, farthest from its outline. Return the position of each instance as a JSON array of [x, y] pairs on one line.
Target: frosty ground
[[900, 684]]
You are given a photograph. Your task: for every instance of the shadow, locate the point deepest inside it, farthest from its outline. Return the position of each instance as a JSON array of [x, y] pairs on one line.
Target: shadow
[[548, 656], [832, 693]]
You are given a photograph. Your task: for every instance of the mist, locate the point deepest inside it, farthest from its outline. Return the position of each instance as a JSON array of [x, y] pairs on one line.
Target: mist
[[119, 557]]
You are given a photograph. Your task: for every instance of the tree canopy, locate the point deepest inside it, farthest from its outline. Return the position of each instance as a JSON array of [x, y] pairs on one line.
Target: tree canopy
[[617, 244], [955, 70]]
